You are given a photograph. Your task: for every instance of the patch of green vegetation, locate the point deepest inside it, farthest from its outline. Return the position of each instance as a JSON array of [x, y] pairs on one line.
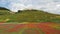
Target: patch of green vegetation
[[28, 16]]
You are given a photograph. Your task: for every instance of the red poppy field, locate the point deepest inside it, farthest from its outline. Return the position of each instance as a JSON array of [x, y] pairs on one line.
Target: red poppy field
[[30, 28]]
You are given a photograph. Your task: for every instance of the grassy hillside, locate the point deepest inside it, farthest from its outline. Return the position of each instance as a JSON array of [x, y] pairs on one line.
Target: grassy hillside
[[4, 11], [29, 16]]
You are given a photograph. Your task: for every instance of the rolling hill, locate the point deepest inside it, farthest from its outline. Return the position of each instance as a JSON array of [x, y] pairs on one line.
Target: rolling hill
[[29, 16]]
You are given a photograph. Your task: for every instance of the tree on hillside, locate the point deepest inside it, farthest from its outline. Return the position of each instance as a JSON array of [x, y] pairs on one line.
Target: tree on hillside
[[19, 11]]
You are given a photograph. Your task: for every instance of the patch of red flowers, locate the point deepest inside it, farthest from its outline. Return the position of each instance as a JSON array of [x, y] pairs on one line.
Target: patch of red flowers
[[44, 27]]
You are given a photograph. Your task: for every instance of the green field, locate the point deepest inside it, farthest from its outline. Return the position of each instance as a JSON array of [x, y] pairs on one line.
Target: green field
[[28, 16]]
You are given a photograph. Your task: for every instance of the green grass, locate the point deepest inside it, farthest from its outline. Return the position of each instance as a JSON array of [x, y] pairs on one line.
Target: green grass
[[29, 16]]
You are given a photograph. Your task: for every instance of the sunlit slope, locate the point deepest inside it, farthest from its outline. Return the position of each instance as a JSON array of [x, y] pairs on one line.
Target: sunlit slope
[[35, 16], [30, 16]]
